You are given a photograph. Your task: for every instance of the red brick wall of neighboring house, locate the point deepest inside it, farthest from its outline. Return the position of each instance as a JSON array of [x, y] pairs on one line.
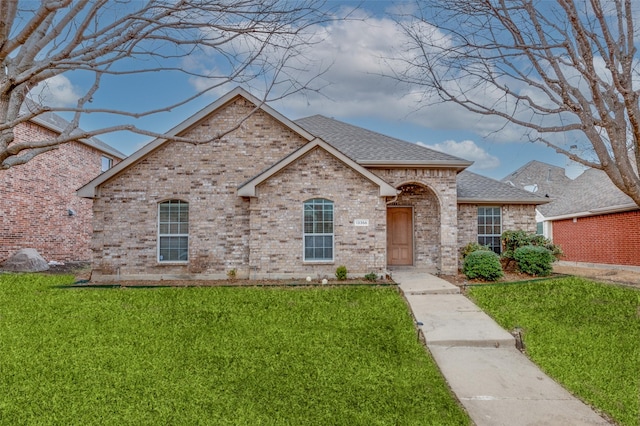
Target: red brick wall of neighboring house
[[36, 198], [611, 239]]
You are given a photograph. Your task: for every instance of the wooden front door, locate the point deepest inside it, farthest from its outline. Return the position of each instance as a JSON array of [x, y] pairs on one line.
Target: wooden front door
[[399, 236]]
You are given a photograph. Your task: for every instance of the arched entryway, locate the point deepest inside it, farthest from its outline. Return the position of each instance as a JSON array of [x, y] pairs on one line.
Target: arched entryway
[[413, 228]]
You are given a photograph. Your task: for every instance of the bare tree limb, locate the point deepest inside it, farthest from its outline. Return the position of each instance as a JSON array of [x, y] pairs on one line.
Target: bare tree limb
[[564, 71], [257, 42]]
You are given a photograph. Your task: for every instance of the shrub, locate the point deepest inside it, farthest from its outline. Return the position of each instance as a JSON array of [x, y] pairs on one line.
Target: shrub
[[341, 272], [483, 264], [371, 276], [471, 247], [512, 240], [534, 260]]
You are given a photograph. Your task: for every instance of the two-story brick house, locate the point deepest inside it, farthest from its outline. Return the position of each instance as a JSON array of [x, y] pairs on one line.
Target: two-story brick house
[[39, 207], [277, 198]]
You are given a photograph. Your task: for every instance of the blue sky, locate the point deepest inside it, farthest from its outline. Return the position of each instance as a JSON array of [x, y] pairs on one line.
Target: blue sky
[[352, 91]]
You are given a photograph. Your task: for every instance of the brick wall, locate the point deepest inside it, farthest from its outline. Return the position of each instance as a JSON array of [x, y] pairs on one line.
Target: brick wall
[[277, 213], [36, 198], [207, 177], [441, 190], [609, 239], [514, 217]]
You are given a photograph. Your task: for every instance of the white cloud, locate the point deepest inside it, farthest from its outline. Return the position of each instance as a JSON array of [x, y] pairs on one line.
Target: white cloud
[[56, 91], [468, 150]]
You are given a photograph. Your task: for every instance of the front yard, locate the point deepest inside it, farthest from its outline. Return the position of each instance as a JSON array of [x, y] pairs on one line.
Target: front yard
[[584, 334], [213, 355]]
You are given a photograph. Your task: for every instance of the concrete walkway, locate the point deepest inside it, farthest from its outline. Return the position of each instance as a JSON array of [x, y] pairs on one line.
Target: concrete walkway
[[496, 383]]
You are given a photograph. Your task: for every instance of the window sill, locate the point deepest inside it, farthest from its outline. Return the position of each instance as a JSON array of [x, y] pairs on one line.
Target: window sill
[[318, 262], [171, 263]]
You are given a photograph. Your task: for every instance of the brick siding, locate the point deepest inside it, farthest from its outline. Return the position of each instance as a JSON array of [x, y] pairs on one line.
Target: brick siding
[[261, 236], [609, 239], [37, 196], [434, 247], [204, 175], [514, 217], [276, 219]]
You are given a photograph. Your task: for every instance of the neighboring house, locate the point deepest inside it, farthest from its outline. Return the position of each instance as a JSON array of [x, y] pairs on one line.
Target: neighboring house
[[594, 222], [40, 208], [542, 179], [276, 198]]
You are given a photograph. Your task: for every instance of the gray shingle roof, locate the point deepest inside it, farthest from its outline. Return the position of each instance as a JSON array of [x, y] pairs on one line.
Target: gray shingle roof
[[546, 179], [370, 148], [474, 188], [589, 192], [56, 123]]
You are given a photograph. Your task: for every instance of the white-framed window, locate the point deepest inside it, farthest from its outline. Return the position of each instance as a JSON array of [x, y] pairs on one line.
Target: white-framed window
[[106, 163], [318, 230], [173, 231], [490, 227]]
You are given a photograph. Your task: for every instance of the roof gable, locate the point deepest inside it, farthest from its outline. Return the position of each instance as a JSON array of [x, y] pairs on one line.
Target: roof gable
[[372, 149], [539, 177], [89, 190], [248, 189], [56, 123]]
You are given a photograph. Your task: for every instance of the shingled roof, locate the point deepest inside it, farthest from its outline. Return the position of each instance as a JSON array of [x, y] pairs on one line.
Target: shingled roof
[[474, 188], [369, 148], [590, 193], [52, 121], [539, 177]]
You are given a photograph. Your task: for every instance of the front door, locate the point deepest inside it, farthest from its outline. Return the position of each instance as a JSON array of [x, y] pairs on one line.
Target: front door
[[399, 236]]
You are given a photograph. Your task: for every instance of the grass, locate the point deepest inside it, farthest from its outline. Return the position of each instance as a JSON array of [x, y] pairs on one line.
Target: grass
[[584, 334], [207, 355]]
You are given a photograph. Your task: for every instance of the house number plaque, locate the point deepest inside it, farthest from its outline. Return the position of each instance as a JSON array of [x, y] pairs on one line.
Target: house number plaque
[[361, 222]]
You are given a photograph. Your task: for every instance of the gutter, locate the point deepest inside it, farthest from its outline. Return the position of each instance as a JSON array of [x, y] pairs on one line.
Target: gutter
[[595, 212]]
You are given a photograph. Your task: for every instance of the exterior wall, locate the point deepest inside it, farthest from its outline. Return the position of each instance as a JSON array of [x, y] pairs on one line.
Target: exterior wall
[[442, 184], [37, 196], [514, 217], [276, 243], [204, 175], [608, 239]]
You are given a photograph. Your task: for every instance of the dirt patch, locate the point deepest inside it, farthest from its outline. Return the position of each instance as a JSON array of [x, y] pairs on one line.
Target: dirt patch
[[237, 283]]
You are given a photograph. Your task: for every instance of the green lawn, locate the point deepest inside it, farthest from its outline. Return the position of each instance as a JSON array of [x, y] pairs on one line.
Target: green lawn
[[206, 355], [584, 334]]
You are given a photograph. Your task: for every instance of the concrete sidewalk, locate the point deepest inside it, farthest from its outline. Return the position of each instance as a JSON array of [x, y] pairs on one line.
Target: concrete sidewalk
[[496, 383]]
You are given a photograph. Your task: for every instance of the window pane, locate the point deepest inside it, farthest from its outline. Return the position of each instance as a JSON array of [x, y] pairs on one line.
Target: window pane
[[318, 229], [489, 227], [173, 225]]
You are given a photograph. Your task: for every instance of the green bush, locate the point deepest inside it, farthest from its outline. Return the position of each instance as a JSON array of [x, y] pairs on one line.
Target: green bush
[[512, 240], [341, 272], [371, 276], [483, 264], [534, 260], [471, 247]]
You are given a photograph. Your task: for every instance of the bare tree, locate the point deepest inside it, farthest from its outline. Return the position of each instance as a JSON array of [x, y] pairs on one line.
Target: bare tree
[[565, 71], [249, 40]]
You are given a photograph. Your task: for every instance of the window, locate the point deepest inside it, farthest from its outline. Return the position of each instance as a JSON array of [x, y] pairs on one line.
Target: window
[[490, 227], [107, 163], [173, 231], [318, 230]]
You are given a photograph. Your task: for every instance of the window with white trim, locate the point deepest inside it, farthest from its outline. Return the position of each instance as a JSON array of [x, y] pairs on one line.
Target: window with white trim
[[490, 227], [106, 163], [318, 230], [173, 231]]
